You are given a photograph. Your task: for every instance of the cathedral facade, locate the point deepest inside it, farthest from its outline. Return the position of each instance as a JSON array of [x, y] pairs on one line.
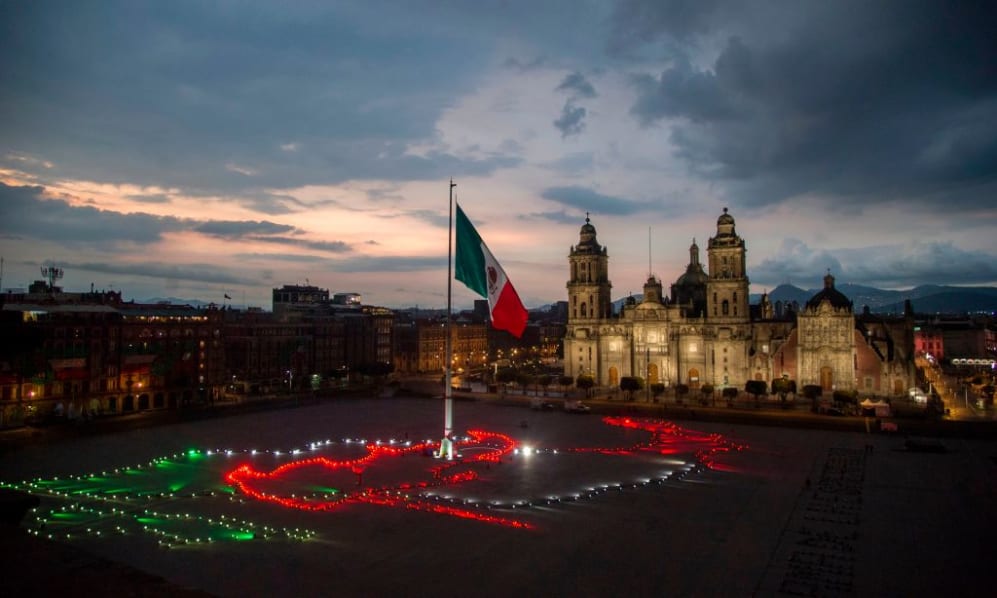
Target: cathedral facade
[[707, 332]]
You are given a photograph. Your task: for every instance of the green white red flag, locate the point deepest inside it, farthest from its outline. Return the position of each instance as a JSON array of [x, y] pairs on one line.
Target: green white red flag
[[476, 267]]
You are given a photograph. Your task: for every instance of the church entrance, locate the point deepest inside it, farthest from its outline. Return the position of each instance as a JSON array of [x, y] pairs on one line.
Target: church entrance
[[614, 376], [826, 378], [652, 373], [693, 378]]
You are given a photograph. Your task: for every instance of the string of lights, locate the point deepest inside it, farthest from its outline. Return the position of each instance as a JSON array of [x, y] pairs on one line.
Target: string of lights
[[169, 498]]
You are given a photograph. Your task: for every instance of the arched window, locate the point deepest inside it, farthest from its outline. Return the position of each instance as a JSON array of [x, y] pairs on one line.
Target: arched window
[[726, 307], [584, 311]]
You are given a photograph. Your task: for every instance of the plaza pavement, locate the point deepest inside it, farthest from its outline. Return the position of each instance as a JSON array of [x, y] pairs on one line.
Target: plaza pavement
[[802, 511]]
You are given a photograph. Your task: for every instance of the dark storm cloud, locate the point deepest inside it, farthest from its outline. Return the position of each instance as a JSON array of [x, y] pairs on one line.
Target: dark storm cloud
[[794, 262], [188, 272], [240, 228], [640, 22], [209, 98], [327, 246], [864, 101], [582, 198], [26, 213], [571, 121], [940, 263], [577, 86], [890, 267]]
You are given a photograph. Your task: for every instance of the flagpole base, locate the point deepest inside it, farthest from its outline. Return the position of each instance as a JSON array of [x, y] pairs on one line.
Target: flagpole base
[[446, 450]]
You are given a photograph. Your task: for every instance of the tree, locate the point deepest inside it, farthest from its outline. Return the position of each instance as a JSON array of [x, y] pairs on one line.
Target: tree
[[504, 376], [782, 387], [564, 382], [730, 393], [680, 391], [545, 380], [524, 379], [657, 389], [585, 382], [756, 388], [846, 397], [631, 384], [707, 391], [813, 392]]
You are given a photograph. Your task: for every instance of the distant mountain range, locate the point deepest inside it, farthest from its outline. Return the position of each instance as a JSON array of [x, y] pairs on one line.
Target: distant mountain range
[[925, 298]]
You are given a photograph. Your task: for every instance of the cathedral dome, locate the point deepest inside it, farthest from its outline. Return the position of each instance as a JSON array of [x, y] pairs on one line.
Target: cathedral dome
[[694, 274], [693, 277], [836, 298]]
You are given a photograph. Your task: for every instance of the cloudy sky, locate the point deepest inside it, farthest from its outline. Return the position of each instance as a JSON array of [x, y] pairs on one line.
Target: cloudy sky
[[196, 149]]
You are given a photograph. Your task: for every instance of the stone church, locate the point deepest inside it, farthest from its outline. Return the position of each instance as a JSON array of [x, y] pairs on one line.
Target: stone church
[[707, 332]]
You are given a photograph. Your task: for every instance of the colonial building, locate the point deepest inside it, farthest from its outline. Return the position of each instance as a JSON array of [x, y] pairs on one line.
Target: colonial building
[[707, 333], [81, 354], [421, 345]]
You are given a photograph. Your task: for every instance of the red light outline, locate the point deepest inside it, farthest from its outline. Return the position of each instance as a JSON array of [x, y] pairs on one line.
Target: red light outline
[[663, 435]]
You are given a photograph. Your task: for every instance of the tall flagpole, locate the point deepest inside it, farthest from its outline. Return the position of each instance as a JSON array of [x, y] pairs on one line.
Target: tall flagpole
[[446, 445]]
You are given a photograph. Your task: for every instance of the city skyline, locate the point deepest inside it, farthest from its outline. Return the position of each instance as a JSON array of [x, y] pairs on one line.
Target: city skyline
[[197, 150]]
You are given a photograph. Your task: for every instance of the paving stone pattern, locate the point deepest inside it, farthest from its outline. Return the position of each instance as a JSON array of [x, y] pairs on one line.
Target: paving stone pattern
[[824, 529]]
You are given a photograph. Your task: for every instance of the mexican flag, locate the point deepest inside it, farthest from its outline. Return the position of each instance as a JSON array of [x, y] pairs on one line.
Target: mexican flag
[[477, 268]]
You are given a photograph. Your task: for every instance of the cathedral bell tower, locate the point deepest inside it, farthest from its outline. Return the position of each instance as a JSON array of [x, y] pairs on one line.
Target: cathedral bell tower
[[589, 287], [589, 305], [727, 286]]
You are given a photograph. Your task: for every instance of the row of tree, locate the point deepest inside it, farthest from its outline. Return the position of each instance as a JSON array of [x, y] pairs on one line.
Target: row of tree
[[631, 385]]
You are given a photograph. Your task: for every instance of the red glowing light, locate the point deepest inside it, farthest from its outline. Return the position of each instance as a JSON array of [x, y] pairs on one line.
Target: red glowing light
[[492, 445], [488, 447]]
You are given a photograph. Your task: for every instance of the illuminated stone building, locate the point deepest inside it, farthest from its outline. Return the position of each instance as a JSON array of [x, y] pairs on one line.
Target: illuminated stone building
[[421, 345], [75, 355], [90, 354], [707, 333]]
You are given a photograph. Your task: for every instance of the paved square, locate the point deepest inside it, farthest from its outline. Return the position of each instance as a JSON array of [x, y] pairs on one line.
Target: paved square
[[797, 512]]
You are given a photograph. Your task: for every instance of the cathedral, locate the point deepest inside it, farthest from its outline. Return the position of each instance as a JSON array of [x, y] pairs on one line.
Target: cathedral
[[707, 332]]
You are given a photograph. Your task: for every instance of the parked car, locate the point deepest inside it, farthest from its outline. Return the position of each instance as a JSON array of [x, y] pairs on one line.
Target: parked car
[[540, 405], [576, 407]]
